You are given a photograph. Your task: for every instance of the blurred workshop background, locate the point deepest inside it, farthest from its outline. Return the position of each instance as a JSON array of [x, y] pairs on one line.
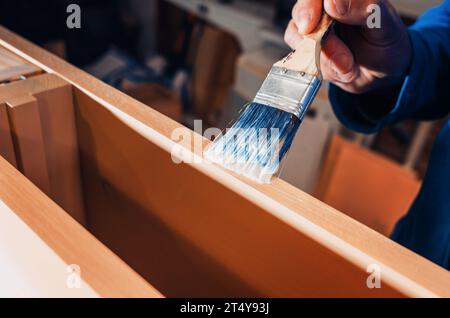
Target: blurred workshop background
[[204, 59]]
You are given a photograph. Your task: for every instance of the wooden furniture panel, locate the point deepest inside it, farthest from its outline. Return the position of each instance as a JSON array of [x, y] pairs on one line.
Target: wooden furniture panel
[[366, 186], [158, 215], [43, 125], [23, 111], [197, 230], [30, 268], [105, 273], [12, 67]]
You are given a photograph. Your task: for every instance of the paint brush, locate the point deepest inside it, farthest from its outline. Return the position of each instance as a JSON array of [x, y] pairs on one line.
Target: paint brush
[[258, 141]]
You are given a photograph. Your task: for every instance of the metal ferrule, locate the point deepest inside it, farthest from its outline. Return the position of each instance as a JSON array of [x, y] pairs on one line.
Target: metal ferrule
[[288, 90]]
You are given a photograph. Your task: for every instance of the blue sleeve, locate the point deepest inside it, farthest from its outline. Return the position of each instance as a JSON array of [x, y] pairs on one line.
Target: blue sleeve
[[425, 93]]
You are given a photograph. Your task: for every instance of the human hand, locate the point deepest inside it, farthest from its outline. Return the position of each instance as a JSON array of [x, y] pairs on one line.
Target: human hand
[[355, 57]]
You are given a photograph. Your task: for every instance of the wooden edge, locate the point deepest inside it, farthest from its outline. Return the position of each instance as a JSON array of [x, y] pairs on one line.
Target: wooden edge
[[33, 85], [16, 66], [14, 93], [106, 273], [408, 272], [30, 268]]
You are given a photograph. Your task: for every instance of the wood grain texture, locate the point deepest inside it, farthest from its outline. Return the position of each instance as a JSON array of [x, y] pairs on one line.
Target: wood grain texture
[[314, 242], [46, 139], [101, 269]]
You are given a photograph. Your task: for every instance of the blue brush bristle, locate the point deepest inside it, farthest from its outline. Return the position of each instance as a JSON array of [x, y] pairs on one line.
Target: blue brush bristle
[[256, 143]]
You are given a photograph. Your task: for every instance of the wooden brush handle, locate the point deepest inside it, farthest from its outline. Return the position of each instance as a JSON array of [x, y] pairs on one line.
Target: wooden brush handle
[[306, 57]]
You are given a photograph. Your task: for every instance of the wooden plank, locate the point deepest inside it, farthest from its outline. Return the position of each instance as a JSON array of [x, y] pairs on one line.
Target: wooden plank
[[12, 67], [30, 268], [217, 207], [23, 111], [154, 209], [6, 142], [379, 199], [126, 213], [59, 146], [61, 149], [108, 275]]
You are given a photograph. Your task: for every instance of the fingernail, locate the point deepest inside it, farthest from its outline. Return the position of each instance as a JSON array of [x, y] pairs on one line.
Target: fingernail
[[342, 62], [342, 6], [304, 20]]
